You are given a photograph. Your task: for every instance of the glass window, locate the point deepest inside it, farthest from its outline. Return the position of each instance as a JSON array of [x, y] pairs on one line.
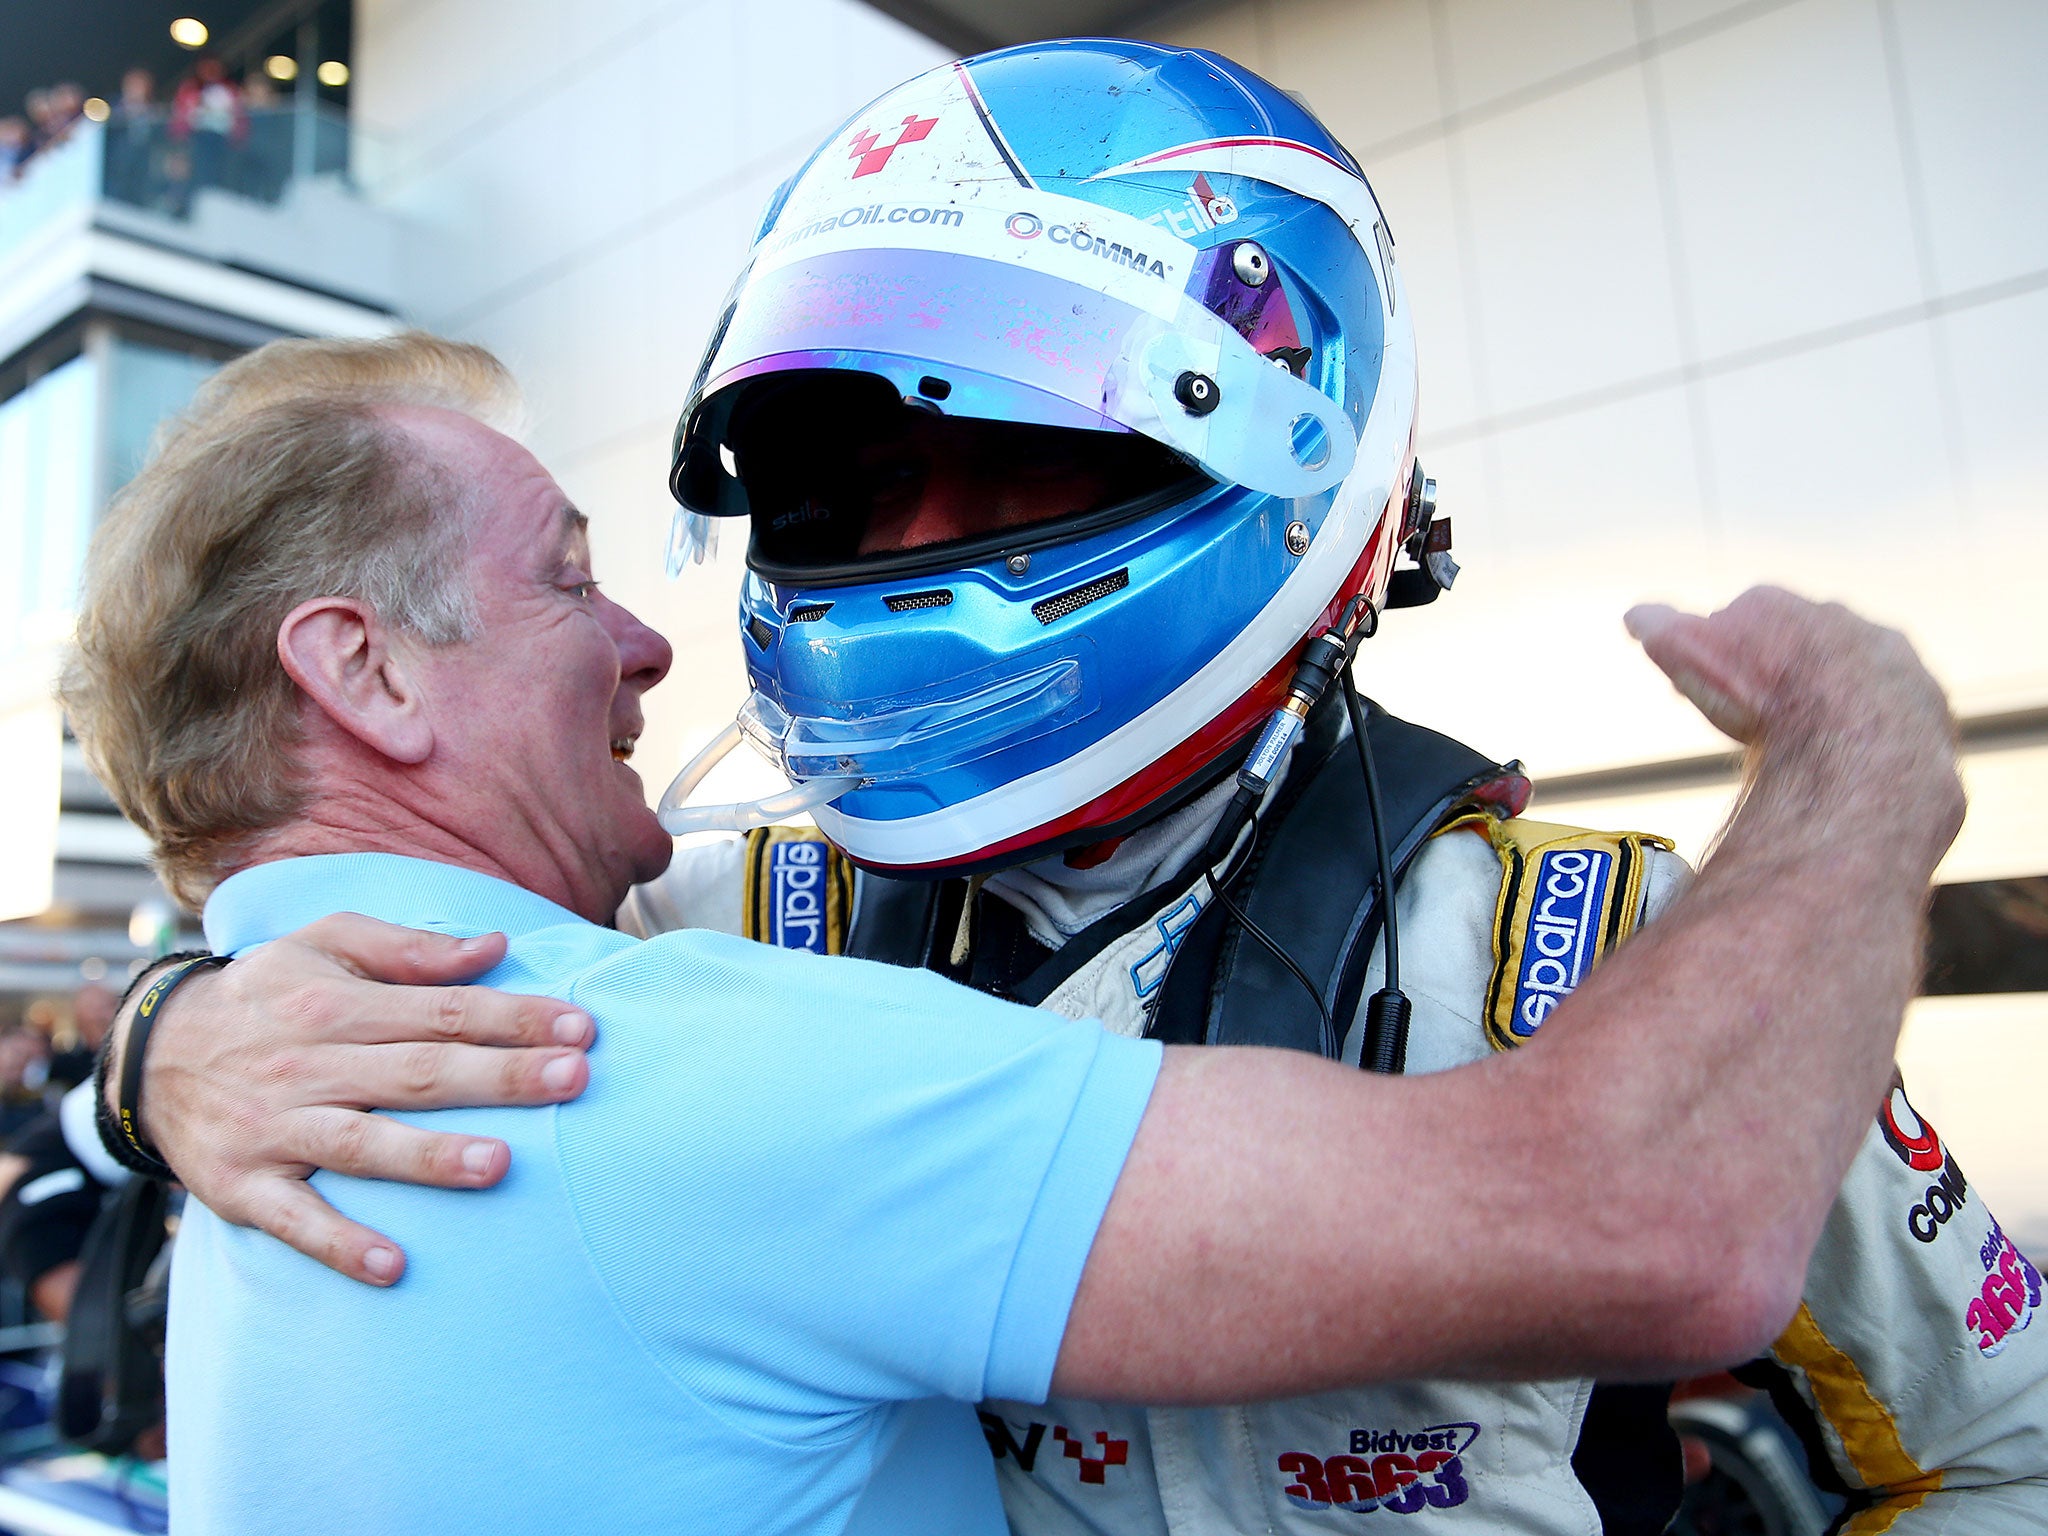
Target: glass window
[[148, 386], [46, 485]]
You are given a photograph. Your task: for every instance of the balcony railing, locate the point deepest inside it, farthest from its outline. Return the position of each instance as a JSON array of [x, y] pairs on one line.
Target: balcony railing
[[144, 162]]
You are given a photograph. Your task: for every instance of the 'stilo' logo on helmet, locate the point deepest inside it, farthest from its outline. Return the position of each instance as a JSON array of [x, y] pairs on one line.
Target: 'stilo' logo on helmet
[[1025, 226], [867, 147], [1203, 209]]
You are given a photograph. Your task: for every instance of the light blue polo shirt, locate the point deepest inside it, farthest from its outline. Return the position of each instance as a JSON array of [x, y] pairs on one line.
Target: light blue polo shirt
[[806, 1213]]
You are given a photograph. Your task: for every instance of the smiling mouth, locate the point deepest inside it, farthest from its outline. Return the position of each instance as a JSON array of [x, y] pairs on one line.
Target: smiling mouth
[[622, 748]]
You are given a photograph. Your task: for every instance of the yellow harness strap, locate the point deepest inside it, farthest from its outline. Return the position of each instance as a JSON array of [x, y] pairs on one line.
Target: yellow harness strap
[[1567, 897], [798, 892]]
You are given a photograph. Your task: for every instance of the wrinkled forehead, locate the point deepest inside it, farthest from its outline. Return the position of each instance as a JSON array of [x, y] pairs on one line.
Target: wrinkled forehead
[[503, 493]]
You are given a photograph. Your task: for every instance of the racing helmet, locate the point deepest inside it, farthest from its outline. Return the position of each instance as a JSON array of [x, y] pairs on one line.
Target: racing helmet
[[1066, 390]]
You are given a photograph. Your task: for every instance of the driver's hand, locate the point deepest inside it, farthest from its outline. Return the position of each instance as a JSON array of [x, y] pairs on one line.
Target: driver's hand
[[262, 1072]]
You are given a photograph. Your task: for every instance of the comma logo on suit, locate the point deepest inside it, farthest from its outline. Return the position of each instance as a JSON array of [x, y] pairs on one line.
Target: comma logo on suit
[[1917, 1145]]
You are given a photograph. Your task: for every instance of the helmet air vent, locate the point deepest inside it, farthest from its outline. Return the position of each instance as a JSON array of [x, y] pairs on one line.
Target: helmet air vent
[[1059, 606], [906, 602], [759, 632], [808, 613]]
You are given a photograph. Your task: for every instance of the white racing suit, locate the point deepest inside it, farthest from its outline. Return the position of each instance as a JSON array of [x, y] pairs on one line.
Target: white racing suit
[[1912, 1369]]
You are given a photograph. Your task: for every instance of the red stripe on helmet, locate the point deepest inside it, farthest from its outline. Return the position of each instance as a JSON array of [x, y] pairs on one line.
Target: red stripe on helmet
[[1242, 139]]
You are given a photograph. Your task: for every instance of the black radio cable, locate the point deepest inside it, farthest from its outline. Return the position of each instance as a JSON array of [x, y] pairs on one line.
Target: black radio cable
[[1385, 1047], [1220, 885]]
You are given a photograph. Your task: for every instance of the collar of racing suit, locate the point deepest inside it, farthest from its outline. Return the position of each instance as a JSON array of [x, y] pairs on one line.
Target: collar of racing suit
[[1057, 902]]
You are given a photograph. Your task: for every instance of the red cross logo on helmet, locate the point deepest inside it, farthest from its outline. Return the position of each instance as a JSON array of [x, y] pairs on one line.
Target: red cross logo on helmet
[[872, 154]]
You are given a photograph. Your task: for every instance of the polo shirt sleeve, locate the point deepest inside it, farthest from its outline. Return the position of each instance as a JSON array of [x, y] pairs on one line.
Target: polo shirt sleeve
[[815, 1185]]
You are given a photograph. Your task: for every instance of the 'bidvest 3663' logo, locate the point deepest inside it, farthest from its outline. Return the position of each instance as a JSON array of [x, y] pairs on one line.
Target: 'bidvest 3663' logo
[[1400, 1471], [2010, 1296]]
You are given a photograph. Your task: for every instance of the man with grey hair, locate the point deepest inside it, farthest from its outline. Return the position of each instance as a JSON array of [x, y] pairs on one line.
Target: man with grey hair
[[342, 651]]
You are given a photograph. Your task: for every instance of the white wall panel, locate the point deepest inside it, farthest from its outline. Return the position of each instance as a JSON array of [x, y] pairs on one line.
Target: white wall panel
[[1573, 269], [1381, 83], [1787, 177], [1414, 187], [1496, 49], [1977, 93], [1601, 477], [431, 74], [1999, 353], [1844, 442], [1668, 16]]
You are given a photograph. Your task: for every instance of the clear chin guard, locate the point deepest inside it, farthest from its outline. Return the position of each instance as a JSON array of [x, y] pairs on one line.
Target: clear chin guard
[[887, 740]]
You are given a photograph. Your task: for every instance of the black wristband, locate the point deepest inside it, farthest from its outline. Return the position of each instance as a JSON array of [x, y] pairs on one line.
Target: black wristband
[[121, 1130]]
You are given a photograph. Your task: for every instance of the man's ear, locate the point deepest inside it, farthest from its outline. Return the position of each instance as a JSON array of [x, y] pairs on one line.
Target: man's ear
[[341, 656]]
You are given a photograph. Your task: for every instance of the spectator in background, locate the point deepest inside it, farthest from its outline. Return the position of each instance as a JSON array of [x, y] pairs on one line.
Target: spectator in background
[[92, 1011], [24, 1068], [49, 1196], [15, 147], [135, 142], [208, 120], [37, 105], [267, 159], [67, 110], [52, 1174]]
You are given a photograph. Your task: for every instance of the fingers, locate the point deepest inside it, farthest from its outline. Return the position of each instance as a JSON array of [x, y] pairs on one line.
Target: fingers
[[1684, 649], [386, 952], [466, 1015], [290, 1211], [430, 1075], [370, 1146], [306, 987], [1783, 674]]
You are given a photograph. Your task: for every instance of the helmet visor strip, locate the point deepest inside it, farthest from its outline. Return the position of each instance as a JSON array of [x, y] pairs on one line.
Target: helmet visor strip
[[1022, 344]]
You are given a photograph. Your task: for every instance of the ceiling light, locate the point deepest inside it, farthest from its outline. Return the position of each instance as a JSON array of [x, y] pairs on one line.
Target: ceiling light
[[189, 32], [281, 66], [333, 72], [96, 108]]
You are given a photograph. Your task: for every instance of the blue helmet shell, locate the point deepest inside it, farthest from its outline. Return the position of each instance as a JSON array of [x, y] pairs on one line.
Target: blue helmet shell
[[1061, 233]]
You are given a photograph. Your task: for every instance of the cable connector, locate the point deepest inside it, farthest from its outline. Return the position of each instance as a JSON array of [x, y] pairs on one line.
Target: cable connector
[[1321, 660], [1385, 1048]]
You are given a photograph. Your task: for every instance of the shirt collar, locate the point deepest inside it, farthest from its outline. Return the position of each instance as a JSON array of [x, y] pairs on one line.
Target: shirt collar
[[267, 901]]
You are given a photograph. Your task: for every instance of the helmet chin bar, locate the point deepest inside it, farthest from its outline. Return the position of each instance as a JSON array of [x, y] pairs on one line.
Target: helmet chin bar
[[884, 740]]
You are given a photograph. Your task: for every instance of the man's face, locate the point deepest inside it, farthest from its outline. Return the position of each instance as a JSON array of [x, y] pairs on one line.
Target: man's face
[[960, 478], [535, 717]]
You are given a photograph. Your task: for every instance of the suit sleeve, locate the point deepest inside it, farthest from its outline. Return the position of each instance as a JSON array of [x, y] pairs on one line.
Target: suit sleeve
[[1914, 1369]]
